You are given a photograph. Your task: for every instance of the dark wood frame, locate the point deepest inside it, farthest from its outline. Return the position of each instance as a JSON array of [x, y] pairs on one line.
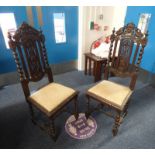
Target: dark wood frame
[[122, 65], [98, 63], [28, 48]]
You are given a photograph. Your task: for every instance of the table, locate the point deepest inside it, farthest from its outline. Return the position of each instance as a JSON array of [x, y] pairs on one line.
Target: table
[[96, 69]]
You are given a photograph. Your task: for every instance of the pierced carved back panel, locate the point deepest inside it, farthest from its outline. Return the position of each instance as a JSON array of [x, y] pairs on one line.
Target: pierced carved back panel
[[126, 49], [28, 45]]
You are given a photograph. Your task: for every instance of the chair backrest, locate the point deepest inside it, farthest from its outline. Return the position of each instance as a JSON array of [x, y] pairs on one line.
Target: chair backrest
[[126, 50], [28, 47]]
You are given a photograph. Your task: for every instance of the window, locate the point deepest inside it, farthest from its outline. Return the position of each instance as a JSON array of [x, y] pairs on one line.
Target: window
[[144, 22], [7, 23], [59, 27]]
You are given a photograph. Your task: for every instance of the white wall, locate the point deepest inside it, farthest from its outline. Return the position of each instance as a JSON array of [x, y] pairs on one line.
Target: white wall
[[112, 17]]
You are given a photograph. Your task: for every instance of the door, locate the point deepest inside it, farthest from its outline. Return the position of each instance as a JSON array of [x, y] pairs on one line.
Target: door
[[67, 50]]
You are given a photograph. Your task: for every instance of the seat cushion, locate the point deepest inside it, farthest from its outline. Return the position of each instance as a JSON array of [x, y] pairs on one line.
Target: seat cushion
[[51, 97], [111, 93]]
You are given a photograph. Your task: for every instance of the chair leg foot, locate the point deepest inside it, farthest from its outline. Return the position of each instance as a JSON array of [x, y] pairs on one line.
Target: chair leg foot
[[126, 110], [114, 131], [76, 114], [125, 113], [32, 114], [33, 121], [54, 137], [117, 124], [87, 113]]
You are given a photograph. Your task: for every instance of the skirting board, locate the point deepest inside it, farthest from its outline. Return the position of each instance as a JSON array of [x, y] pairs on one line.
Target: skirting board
[[146, 77], [12, 77]]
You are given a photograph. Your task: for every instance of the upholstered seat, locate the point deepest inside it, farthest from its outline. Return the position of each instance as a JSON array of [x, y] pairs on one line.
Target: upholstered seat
[[51, 97], [112, 93]]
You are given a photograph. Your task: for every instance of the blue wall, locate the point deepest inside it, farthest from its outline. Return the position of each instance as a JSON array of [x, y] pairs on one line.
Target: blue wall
[[57, 53], [132, 15], [7, 63], [68, 51]]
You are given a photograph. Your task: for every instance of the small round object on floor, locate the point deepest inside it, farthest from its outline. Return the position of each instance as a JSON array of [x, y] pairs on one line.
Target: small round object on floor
[[82, 128]]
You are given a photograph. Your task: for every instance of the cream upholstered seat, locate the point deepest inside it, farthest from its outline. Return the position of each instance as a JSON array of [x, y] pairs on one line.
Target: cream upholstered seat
[[112, 93], [51, 97]]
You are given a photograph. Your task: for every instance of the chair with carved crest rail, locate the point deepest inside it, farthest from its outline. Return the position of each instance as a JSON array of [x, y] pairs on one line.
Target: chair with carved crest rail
[[111, 95], [28, 47]]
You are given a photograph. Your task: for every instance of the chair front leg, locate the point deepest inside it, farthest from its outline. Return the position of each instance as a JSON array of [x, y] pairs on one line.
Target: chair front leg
[[76, 114], [126, 109], [125, 112], [117, 124], [51, 129], [32, 113], [87, 113]]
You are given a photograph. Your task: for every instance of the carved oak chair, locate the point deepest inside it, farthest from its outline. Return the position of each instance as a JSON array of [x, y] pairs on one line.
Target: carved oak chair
[[112, 95], [28, 47]]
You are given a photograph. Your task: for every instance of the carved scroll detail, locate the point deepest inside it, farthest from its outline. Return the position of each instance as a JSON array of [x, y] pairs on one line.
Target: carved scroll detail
[[128, 36], [28, 45]]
